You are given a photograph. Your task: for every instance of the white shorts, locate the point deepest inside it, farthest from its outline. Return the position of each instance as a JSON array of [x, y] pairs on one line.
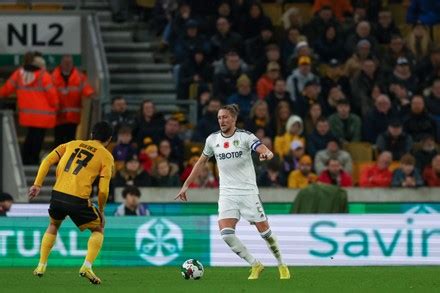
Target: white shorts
[[247, 206]]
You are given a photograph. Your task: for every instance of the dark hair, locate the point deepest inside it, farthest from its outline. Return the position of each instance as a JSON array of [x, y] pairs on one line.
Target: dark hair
[[125, 129], [5, 197], [133, 190], [102, 131], [232, 108], [330, 160], [322, 119], [117, 99], [408, 159]]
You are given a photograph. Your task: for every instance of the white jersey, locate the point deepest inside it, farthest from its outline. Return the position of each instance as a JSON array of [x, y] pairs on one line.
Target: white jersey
[[234, 160]]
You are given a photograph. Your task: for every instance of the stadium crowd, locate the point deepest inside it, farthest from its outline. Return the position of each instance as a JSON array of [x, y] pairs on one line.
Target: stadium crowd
[[307, 89]]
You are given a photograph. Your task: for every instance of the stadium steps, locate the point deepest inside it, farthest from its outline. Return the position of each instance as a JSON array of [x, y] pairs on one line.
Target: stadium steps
[[30, 173], [134, 71]]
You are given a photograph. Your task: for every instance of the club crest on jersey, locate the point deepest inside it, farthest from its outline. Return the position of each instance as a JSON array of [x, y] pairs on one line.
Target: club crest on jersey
[[226, 144], [236, 143]]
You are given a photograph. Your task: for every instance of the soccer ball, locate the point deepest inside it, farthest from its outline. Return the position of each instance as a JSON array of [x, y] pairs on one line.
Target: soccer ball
[[192, 269]]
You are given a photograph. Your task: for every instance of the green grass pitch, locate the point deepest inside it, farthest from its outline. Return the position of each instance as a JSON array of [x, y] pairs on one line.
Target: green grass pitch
[[168, 279]]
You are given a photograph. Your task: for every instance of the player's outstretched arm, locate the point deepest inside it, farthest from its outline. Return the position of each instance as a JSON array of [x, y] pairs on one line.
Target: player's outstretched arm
[[265, 153], [50, 160], [194, 173]]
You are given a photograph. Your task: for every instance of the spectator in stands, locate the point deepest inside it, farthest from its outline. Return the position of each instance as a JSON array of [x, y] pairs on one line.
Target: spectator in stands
[[72, 87], [171, 133], [385, 27], [363, 32], [189, 41], [291, 160], [272, 54], [131, 205], [302, 49], [379, 174], [165, 152], [340, 8], [427, 66], [37, 102], [272, 176], [330, 102], [407, 175], [394, 140], [333, 150], [344, 125], [149, 123], [418, 123], [402, 74], [162, 15], [259, 121], [208, 123], [254, 20], [303, 176], [396, 49], [299, 77], [294, 130], [419, 41], [6, 201], [277, 95], [195, 70], [431, 174], [164, 176], [265, 83], [426, 152], [291, 39], [244, 97], [205, 178], [124, 148], [132, 174], [401, 98], [377, 119], [319, 138], [148, 156], [335, 175], [362, 86], [311, 94], [312, 117], [330, 45], [256, 46], [426, 12], [119, 114], [292, 18], [226, 75], [280, 117], [224, 10], [433, 99], [176, 27], [355, 63], [225, 40], [317, 25]]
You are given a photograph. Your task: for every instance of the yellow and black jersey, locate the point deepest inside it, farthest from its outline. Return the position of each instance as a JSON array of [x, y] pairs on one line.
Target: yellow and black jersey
[[80, 162]]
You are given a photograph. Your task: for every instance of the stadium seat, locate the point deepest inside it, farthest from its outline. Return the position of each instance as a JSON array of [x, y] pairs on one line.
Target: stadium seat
[[399, 13], [436, 33], [360, 151], [47, 7], [146, 3], [305, 9], [192, 148], [394, 165], [274, 11], [357, 170], [13, 7]]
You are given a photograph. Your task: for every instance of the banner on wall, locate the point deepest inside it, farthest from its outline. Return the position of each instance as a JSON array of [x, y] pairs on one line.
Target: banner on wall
[[51, 35], [129, 241], [339, 240]]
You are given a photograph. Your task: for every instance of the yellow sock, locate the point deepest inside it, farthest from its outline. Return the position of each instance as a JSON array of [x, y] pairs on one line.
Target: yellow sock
[[94, 246], [46, 246]]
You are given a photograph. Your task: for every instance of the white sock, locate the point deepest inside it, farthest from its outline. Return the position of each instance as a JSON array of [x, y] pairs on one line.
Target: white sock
[[272, 243], [87, 264], [228, 235], [42, 264]]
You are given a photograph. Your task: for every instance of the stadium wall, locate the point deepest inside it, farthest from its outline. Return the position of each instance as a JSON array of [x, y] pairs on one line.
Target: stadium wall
[[327, 240]]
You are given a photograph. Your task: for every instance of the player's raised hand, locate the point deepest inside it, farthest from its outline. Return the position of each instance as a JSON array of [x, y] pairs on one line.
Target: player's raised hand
[[182, 194], [266, 156], [34, 191]]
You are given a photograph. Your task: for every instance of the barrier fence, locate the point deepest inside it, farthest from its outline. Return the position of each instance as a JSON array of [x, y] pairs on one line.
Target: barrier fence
[[321, 240]]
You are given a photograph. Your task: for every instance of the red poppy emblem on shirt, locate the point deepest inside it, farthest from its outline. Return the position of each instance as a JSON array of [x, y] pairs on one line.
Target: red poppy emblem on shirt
[[226, 144]]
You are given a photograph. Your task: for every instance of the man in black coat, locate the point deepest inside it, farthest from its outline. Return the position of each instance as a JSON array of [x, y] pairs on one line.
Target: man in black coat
[[418, 123]]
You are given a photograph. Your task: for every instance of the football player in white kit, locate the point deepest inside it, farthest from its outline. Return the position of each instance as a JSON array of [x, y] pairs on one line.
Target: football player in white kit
[[239, 195]]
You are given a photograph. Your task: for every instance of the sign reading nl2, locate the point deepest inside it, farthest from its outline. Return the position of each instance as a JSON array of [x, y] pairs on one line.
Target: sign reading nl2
[[334, 240]]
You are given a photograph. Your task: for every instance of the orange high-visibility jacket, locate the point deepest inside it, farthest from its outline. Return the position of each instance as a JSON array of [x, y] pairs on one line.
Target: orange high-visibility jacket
[[37, 98], [70, 94]]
